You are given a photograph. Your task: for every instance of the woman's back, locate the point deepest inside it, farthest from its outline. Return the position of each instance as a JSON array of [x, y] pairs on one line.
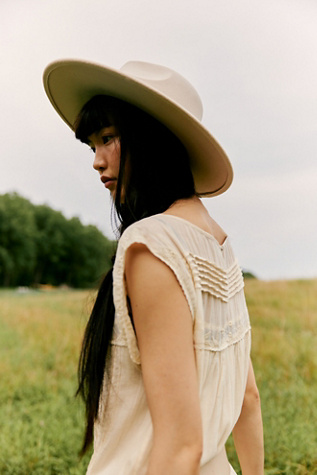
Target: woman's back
[[213, 286]]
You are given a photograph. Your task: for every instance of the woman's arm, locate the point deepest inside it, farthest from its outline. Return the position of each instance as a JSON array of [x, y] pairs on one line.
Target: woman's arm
[[248, 431], [164, 330]]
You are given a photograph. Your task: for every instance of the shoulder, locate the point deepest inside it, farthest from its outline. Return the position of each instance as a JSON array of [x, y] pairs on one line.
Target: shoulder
[[152, 230], [146, 224], [155, 235]]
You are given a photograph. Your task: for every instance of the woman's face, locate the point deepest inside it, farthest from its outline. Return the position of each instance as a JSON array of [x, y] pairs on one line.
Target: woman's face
[[106, 146]]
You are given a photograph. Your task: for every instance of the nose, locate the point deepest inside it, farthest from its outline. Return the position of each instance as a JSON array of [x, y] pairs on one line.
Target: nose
[[100, 161]]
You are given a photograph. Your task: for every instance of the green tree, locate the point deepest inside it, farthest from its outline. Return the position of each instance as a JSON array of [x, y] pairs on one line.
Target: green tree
[[91, 254], [52, 249], [17, 240], [38, 245]]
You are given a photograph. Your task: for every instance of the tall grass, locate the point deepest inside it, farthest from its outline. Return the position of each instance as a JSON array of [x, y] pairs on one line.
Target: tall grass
[[284, 343], [41, 423]]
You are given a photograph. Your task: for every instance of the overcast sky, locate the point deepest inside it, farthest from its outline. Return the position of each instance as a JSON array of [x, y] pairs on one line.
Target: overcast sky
[[254, 65]]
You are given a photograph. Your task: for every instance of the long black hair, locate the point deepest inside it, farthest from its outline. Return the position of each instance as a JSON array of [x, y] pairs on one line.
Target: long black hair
[[154, 173]]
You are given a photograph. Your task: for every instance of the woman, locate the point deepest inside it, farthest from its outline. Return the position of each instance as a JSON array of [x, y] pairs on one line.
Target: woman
[[164, 371]]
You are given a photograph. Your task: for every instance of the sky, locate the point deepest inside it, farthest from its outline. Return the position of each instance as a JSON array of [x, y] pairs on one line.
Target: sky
[[254, 65]]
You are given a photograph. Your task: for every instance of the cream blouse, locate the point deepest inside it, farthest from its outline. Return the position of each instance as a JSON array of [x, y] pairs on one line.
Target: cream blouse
[[212, 283]]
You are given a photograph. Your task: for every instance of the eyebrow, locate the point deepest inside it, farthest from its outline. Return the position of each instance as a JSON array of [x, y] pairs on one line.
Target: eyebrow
[[100, 133], [107, 127]]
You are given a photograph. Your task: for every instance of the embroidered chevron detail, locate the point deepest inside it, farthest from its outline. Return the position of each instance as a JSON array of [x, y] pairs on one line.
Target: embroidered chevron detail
[[221, 283]]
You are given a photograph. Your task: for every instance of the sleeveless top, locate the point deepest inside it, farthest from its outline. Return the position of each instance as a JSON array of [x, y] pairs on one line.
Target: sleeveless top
[[212, 282]]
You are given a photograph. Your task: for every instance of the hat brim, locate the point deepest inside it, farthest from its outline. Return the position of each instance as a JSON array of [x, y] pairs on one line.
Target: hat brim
[[69, 84]]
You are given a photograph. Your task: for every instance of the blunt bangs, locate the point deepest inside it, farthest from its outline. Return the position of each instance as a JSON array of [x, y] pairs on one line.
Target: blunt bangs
[[94, 116]]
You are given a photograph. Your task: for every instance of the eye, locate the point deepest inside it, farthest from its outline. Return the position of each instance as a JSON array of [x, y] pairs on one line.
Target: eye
[[107, 138]]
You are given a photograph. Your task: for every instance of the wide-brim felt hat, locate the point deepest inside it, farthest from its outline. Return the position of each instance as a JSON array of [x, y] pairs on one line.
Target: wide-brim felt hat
[[159, 91]]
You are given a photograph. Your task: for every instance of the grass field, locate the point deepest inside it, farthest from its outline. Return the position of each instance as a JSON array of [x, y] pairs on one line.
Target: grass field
[[42, 423]]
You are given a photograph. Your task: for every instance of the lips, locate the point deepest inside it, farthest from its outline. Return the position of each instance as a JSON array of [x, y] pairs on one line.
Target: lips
[[104, 179], [108, 181]]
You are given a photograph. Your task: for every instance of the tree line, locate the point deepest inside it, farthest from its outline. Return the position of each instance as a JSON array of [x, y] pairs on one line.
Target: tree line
[[38, 245]]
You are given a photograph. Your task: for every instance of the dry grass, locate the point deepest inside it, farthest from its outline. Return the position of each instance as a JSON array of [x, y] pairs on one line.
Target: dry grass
[[284, 323], [40, 336]]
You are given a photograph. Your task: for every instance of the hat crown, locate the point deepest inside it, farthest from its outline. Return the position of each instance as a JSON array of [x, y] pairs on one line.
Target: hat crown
[[167, 82]]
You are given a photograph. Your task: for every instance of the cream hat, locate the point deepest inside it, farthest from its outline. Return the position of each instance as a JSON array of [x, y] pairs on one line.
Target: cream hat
[[159, 91]]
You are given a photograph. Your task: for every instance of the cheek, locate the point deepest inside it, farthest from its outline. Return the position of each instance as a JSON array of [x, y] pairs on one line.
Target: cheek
[[116, 158], [118, 162]]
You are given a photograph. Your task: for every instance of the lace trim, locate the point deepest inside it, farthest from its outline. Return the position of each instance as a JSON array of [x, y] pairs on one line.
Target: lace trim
[[210, 340], [221, 283], [217, 339]]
